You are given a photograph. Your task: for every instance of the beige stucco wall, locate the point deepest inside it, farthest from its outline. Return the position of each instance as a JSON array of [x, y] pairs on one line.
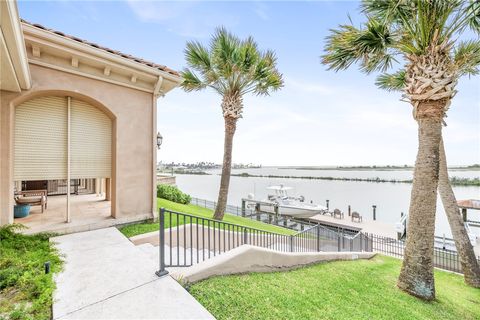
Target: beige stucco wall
[[133, 149]]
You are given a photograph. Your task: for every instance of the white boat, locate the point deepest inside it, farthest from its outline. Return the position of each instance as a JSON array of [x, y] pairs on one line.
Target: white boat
[[295, 207]]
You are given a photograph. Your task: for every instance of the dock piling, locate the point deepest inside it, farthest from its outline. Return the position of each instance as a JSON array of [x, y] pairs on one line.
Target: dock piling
[[374, 212]]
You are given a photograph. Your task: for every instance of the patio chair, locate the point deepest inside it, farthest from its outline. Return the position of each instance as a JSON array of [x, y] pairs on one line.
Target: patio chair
[[337, 214], [33, 198], [357, 216]]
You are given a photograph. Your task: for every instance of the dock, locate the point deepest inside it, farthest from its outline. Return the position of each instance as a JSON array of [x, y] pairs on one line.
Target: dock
[[395, 231], [367, 226]]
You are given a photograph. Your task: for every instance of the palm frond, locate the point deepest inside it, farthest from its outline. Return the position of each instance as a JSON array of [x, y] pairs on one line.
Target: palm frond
[[391, 81], [231, 66], [473, 12], [368, 46], [191, 82], [466, 57]]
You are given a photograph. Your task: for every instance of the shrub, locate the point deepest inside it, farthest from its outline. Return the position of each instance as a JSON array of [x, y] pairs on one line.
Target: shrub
[[25, 290], [172, 193]]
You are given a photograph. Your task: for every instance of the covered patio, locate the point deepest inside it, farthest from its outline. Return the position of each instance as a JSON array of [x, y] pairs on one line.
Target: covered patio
[[72, 110], [89, 211]]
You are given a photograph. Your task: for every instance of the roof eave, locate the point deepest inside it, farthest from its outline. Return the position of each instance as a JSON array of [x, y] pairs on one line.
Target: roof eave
[[70, 43]]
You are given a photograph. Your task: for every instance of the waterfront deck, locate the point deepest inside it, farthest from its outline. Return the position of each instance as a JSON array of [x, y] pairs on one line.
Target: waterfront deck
[[368, 226]]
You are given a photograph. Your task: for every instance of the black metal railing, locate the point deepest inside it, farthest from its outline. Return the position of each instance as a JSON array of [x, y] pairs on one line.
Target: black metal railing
[[187, 239], [262, 216], [443, 258]]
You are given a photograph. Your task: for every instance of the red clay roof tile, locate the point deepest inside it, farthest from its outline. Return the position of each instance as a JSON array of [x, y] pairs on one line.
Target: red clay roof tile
[[127, 56]]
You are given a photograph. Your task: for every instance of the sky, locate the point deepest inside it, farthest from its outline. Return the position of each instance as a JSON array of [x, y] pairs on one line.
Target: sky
[[318, 118]]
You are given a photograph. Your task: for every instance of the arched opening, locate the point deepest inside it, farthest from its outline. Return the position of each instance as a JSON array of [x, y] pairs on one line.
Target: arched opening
[[63, 160]]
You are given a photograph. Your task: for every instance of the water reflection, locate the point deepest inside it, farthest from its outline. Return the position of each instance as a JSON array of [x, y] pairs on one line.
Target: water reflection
[[390, 198]]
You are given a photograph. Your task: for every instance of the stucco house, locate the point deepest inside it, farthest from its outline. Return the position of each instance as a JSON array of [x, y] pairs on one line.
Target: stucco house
[[77, 129]]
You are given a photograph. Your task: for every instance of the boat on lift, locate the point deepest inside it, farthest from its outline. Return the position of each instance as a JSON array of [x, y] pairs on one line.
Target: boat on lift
[[295, 207]]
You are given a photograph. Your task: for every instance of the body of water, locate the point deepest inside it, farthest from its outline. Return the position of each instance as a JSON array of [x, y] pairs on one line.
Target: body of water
[[390, 198]]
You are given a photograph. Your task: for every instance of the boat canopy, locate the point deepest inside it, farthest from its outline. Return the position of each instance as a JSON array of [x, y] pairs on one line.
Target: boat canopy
[[278, 188]]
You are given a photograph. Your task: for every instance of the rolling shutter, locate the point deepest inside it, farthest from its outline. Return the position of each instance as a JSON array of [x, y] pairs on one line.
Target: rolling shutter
[[41, 139], [90, 142]]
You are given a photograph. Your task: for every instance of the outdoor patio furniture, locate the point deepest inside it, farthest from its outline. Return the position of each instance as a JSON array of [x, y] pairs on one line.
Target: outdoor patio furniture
[[21, 211], [337, 214], [357, 216], [33, 198]]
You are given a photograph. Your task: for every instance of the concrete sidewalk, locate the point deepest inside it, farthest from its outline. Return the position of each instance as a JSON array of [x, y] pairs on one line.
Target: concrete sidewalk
[[107, 277]]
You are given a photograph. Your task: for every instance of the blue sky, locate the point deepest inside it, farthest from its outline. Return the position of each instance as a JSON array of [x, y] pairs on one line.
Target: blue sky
[[318, 118]]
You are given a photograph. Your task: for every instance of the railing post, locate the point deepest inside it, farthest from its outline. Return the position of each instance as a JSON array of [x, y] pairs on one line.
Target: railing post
[[361, 241], [338, 240], [318, 238], [161, 244], [245, 236], [243, 208], [291, 243]]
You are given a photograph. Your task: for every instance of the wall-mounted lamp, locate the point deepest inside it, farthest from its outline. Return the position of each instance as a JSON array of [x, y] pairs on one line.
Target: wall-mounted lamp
[[159, 140]]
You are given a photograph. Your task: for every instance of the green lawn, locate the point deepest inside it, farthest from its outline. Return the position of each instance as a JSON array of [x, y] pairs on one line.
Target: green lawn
[[25, 289], [363, 289], [144, 227]]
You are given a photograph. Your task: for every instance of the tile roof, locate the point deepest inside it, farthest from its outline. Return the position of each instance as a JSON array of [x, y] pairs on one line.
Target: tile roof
[[121, 54]]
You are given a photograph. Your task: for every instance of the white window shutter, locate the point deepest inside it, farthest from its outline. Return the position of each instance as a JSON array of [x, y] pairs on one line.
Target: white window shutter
[[90, 142], [40, 140]]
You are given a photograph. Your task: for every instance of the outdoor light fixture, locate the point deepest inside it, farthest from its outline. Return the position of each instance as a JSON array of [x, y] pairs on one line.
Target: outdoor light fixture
[[159, 140]]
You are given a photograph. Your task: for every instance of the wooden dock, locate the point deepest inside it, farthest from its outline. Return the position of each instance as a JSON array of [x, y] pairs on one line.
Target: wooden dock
[[368, 226]]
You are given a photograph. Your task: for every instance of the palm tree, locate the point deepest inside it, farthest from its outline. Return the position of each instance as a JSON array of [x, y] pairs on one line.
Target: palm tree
[[232, 68], [468, 261], [422, 35]]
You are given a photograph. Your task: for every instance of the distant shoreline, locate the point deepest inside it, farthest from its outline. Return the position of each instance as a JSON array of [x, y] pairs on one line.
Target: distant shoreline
[[455, 181], [376, 168]]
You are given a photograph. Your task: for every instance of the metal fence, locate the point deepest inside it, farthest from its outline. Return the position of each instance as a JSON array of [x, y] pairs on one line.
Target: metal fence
[[266, 217], [187, 239], [443, 258]]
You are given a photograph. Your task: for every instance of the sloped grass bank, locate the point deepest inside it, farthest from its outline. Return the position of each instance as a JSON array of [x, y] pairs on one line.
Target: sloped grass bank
[[362, 289], [25, 290], [144, 227]]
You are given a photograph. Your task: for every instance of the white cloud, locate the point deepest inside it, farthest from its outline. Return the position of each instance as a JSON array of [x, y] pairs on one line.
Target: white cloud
[[185, 18], [310, 87], [260, 10]]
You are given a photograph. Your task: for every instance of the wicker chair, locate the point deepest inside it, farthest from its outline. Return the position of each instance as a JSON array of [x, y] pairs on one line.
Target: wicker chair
[[337, 214], [356, 215], [33, 198]]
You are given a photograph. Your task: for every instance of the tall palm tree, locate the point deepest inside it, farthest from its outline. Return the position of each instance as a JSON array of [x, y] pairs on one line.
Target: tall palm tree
[[468, 260], [422, 35], [232, 68]]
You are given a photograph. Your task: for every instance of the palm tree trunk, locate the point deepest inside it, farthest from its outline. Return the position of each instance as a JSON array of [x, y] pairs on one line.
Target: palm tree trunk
[[230, 126], [416, 275], [468, 261]]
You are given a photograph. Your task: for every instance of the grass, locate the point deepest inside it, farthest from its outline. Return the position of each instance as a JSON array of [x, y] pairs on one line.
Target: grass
[[25, 290], [144, 227], [363, 289]]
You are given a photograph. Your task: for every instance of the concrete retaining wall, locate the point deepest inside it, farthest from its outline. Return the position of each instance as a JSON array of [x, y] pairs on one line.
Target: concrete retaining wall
[[247, 258]]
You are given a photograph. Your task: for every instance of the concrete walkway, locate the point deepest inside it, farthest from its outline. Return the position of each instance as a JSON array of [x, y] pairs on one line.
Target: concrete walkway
[[107, 277]]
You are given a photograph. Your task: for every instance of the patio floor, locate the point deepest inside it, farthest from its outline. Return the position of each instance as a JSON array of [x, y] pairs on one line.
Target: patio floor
[[87, 209]]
